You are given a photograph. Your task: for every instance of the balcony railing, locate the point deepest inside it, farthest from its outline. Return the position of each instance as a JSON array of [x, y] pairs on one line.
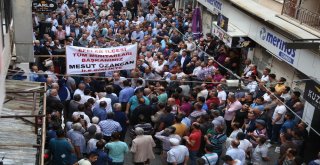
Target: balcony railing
[[304, 16]]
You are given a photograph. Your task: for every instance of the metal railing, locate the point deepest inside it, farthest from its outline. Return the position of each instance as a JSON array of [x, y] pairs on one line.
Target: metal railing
[[304, 16]]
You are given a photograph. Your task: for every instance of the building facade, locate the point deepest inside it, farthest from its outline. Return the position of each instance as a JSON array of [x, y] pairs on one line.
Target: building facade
[[271, 24]]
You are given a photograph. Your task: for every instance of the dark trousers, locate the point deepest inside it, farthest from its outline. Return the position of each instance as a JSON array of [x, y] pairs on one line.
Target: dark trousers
[[107, 138], [142, 163], [117, 163], [275, 133], [229, 129], [123, 106], [177, 164]]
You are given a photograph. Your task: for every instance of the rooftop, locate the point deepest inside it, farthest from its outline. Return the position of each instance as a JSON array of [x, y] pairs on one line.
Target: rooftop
[[19, 140]]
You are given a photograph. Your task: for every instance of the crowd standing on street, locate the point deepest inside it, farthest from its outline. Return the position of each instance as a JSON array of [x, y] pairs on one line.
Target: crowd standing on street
[[175, 101]]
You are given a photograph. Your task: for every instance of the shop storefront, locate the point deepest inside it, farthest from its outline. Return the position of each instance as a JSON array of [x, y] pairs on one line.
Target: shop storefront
[[312, 97]]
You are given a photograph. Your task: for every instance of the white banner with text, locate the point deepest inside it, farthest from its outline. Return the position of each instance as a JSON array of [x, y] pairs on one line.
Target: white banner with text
[[92, 60]]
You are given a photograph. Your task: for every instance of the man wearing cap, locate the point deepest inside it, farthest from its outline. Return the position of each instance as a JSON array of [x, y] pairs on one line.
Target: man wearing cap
[[178, 154], [258, 132]]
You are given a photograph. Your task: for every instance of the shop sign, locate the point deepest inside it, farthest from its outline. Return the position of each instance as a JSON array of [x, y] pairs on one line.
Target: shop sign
[[312, 93], [43, 6], [242, 42], [221, 34], [217, 5], [276, 44]]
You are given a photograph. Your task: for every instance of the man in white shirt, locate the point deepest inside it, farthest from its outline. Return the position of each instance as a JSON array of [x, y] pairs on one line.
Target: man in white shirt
[[81, 114], [80, 90], [151, 16], [102, 97], [265, 75], [117, 79], [197, 68], [222, 95], [245, 144], [178, 154], [278, 119], [252, 86], [51, 74], [159, 68], [236, 153], [228, 160], [86, 96], [286, 94]]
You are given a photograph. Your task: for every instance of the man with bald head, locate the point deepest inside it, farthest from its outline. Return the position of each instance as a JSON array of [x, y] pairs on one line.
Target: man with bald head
[[53, 86], [235, 152], [172, 103], [80, 90], [53, 101], [117, 79]]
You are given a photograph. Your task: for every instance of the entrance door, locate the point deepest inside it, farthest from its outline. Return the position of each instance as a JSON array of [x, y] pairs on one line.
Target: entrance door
[[312, 144]]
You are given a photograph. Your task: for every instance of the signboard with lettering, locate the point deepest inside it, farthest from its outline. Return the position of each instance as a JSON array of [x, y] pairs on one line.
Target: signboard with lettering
[[216, 4], [312, 93], [276, 44], [242, 42], [93, 60], [42, 6], [221, 34]]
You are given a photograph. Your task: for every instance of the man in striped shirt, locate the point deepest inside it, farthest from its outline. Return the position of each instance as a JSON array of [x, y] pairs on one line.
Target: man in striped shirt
[[109, 126]]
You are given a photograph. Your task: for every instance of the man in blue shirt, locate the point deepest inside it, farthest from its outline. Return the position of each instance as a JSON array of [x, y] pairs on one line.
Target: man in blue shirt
[[109, 126], [258, 104], [288, 124], [100, 111], [134, 101], [125, 94]]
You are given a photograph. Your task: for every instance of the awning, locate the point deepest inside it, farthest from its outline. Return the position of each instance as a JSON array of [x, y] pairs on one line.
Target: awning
[[233, 38], [273, 18]]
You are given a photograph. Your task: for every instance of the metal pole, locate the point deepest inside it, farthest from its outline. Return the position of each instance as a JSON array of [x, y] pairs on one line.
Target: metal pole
[[43, 130], [18, 116]]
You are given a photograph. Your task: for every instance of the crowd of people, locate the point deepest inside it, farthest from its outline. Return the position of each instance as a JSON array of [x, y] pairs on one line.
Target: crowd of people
[[176, 99]]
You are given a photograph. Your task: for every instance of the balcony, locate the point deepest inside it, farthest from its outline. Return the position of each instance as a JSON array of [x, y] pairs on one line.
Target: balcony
[[304, 16]]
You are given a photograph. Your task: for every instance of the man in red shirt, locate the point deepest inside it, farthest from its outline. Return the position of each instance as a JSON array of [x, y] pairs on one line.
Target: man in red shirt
[[213, 102], [193, 141]]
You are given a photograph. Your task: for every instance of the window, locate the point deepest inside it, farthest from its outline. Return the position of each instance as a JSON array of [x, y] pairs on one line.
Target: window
[[5, 17]]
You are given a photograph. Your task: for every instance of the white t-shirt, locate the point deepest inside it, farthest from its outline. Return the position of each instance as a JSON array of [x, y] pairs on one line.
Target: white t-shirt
[[237, 162], [281, 110], [266, 97], [78, 92], [265, 78], [234, 133], [245, 145], [222, 95], [203, 93], [258, 153], [107, 100], [237, 153], [196, 70], [84, 162]]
